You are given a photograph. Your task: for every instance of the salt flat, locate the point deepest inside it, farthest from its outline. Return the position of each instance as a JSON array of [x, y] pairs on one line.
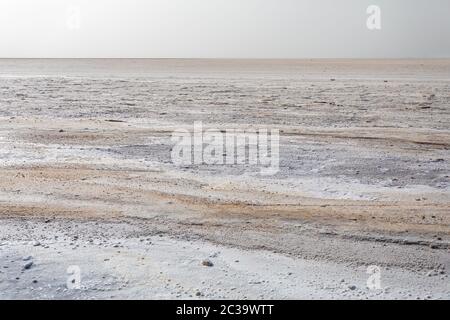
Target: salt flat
[[86, 171]]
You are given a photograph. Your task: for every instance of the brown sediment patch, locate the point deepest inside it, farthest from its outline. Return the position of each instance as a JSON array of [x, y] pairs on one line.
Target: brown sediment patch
[[22, 210], [89, 137], [105, 193]]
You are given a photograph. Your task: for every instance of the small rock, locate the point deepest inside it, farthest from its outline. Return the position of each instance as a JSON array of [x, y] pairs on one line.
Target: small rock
[[215, 255], [207, 263], [35, 243], [352, 287], [28, 265]]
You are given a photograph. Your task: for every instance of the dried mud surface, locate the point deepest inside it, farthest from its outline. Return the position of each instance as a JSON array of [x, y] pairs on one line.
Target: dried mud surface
[[86, 179]]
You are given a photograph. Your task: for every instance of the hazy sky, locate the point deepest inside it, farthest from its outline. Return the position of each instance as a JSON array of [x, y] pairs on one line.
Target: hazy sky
[[223, 28]]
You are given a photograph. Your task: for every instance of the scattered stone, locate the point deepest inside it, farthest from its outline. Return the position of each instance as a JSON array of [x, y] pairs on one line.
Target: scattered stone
[[431, 273], [28, 265], [207, 263], [352, 287], [215, 254]]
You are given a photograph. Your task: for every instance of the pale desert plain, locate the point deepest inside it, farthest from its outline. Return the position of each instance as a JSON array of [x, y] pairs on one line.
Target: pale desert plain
[[88, 188]]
